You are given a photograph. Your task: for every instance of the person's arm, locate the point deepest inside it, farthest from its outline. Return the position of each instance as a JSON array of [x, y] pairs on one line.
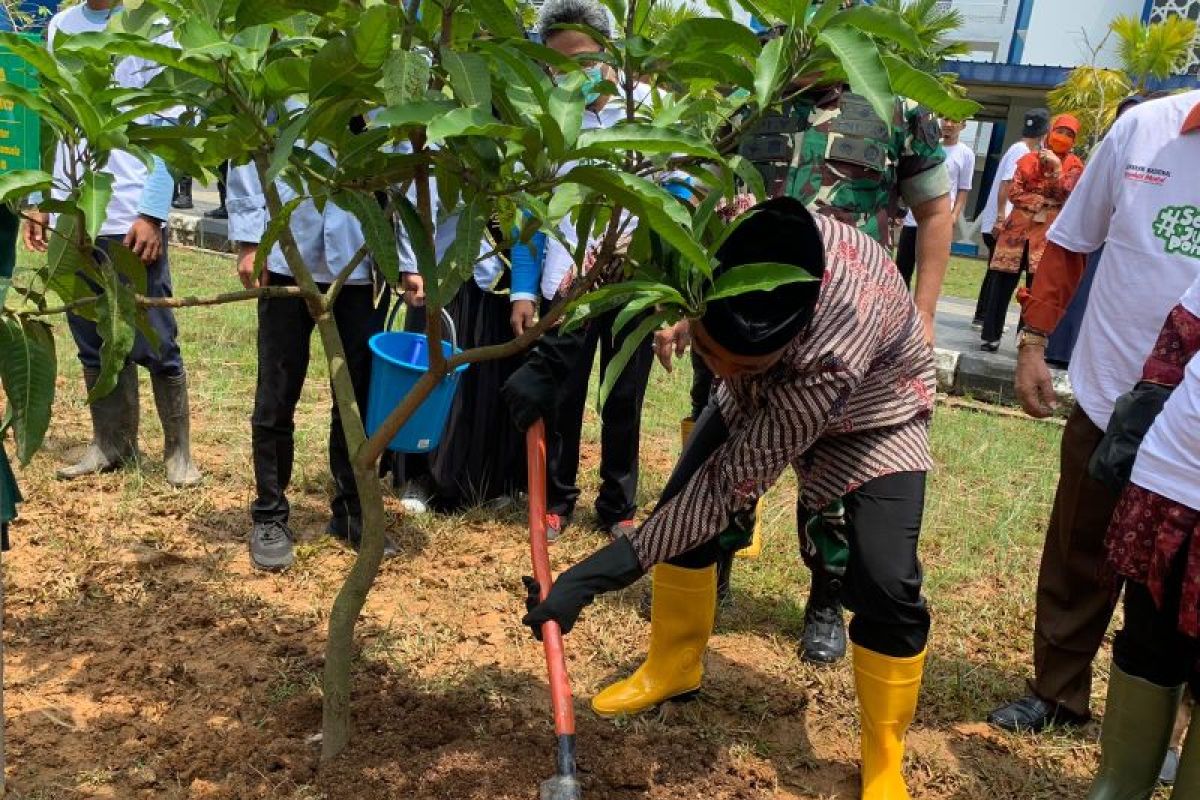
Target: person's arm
[[789, 420], [935, 234], [966, 178], [1029, 184], [247, 206], [1178, 342], [1059, 274], [527, 260]]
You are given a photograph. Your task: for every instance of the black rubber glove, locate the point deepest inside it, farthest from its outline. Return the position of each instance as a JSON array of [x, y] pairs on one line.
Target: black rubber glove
[[610, 568], [532, 391], [1134, 413]]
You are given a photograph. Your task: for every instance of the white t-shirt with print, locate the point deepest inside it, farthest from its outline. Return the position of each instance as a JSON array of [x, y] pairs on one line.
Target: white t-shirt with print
[[960, 165], [1168, 462], [1139, 197], [1005, 172]]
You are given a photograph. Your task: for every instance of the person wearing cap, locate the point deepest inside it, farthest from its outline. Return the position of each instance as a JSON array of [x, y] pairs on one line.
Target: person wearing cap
[[1041, 184], [1036, 125], [1139, 198], [832, 376]]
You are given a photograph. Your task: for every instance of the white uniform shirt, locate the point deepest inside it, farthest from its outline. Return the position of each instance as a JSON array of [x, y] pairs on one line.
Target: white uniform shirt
[[1168, 462], [960, 166], [136, 189], [559, 260], [1005, 172], [1139, 197]]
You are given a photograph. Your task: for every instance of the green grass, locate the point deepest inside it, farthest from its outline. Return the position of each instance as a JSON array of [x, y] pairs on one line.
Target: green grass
[[987, 506], [964, 277]]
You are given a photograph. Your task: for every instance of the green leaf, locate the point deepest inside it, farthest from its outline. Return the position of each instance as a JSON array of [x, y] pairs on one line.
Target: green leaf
[[749, 175], [116, 313], [378, 231], [498, 17], [419, 239], [459, 260], [373, 36], [694, 38], [19, 183], [284, 143], [469, 78], [122, 44], [632, 310], [476, 121], [273, 231], [28, 369], [647, 139], [632, 342], [768, 72], [335, 65], [881, 23], [133, 272], [405, 77], [287, 76], [94, 194], [650, 203], [422, 112], [261, 12], [868, 77], [927, 90], [759, 277]]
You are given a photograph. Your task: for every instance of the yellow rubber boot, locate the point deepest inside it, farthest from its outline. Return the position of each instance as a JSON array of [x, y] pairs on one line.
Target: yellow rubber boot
[[887, 699], [683, 605], [755, 547]]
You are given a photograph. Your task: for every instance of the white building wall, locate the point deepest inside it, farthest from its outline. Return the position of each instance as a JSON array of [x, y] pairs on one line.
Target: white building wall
[[1063, 32], [987, 27]]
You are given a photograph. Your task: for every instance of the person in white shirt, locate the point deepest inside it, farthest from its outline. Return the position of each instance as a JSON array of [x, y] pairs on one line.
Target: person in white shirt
[[1154, 550], [960, 166], [620, 428], [134, 218], [1036, 125], [328, 239], [1139, 198]]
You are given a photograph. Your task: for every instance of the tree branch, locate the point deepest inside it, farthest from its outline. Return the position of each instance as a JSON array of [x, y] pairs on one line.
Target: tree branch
[[331, 294], [183, 302]]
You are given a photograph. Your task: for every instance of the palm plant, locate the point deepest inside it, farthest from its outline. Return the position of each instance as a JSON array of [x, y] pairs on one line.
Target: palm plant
[[935, 24], [1147, 52]]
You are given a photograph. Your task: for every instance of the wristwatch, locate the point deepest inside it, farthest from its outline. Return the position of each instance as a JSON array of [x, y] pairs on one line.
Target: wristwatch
[[1028, 338]]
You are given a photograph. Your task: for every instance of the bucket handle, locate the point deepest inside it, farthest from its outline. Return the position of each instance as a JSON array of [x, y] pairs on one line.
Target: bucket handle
[[449, 320]]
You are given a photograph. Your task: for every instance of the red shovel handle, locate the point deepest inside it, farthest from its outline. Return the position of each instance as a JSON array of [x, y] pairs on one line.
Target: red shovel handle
[[556, 664]]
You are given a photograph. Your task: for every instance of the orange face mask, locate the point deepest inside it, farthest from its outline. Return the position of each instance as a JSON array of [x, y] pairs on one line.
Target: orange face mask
[[1060, 143]]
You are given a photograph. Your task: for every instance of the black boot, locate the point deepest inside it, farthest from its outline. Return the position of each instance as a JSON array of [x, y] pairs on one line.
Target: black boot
[[171, 398], [114, 426], [183, 193], [823, 640]]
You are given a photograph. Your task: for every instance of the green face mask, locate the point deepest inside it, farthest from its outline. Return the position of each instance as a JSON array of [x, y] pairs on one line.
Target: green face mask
[[593, 77]]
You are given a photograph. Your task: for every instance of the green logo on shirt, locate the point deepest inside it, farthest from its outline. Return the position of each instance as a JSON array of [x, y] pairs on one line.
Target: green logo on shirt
[[1179, 228]]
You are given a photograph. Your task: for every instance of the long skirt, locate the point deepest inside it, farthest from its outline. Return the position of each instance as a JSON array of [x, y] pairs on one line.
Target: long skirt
[[481, 456]]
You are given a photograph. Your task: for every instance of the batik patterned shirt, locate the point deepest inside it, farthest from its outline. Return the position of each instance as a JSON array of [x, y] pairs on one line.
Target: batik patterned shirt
[[850, 401]]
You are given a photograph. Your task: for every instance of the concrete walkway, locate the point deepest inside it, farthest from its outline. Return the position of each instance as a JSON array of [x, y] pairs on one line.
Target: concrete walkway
[[962, 367]]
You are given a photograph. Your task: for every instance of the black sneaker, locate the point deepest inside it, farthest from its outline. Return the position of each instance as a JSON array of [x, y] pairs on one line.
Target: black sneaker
[[217, 213], [349, 531], [271, 546], [989, 347]]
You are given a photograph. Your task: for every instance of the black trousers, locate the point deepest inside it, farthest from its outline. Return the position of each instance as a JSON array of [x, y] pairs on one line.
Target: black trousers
[[1150, 645], [620, 421], [284, 333], [906, 253], [1000, 294], [986, 286], [882, 585]]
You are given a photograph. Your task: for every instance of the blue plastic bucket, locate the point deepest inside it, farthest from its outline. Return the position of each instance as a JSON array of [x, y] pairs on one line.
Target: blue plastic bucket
[[398, 360]]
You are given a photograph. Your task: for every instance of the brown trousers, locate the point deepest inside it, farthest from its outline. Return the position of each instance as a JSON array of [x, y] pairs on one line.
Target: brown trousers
[[1074, 600]]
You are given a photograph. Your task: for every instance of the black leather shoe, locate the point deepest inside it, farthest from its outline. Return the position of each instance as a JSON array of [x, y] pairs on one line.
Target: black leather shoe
[[1032, 714], [350, 532], [823, 640]]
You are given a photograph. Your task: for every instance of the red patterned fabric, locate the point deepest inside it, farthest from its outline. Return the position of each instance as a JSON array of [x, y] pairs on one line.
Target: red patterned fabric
[[1178, 341], [1147, 534]]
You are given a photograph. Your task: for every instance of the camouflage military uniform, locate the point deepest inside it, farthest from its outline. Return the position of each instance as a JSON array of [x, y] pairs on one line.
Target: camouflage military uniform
[[833, 152]]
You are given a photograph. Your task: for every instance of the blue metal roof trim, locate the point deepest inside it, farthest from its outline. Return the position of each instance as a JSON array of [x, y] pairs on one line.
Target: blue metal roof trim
[[1039, 76]]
